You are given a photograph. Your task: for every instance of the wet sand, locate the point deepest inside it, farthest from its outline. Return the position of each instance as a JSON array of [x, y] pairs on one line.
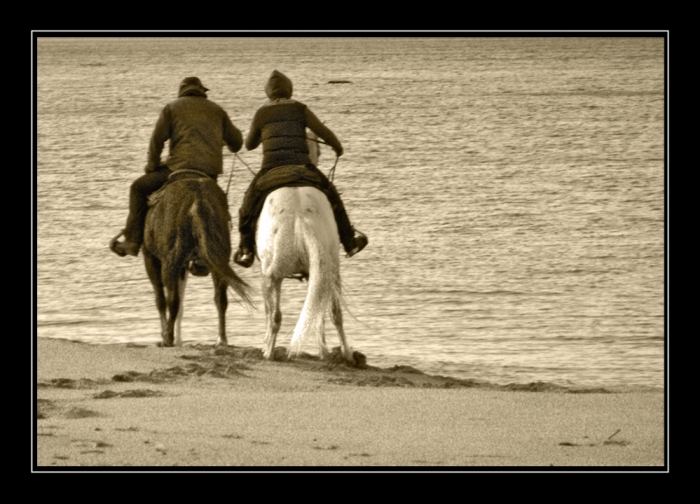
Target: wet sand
[[144, 407]]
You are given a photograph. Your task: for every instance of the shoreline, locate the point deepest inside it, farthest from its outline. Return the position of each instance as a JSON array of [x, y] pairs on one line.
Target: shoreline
[[138, 406]]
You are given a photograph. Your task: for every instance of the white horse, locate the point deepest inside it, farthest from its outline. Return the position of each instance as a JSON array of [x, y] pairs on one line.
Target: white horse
[[297, 236]]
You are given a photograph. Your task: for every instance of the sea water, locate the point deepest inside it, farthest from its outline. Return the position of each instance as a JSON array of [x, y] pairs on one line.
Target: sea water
[[512, 190]]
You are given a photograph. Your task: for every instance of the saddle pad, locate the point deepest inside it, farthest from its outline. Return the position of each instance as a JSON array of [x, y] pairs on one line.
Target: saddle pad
[[175, 176], [293, 175], [155, 197]]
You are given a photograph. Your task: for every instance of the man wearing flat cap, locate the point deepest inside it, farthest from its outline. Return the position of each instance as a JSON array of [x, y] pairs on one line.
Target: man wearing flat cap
[[197, 129]]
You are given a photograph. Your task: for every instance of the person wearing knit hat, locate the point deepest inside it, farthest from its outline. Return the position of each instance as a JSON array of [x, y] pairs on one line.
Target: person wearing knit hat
[[280, 125]]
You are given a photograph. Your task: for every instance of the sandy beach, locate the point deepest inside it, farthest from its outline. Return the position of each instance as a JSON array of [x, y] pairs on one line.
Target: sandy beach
[[145, 408]]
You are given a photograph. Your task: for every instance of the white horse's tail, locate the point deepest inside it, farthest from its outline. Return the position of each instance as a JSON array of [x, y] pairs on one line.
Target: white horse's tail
[[322, 291]]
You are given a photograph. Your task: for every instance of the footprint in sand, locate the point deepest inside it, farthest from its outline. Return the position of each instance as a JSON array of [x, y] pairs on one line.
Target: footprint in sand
[[108, 394], [77, 412], [126, 429], [68, 383], [129, 376], [364, 454], [330, 448], [607, 442], [43, 406], [90, 443]]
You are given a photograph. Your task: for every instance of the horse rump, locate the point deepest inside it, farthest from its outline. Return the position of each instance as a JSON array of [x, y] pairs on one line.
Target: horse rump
[[190, 221]]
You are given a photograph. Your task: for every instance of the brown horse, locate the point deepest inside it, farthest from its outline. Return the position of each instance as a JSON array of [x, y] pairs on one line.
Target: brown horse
[[189, 222]]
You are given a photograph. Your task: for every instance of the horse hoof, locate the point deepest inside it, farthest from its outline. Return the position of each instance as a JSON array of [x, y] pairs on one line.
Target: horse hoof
[[360, 360], [276, 354]]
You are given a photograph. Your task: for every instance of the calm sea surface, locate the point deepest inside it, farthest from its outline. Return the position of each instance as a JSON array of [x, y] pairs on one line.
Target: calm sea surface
[[512, 190]]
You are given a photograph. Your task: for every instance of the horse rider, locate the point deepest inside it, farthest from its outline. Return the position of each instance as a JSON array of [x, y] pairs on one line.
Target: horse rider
[[197, 129], [281, 126]]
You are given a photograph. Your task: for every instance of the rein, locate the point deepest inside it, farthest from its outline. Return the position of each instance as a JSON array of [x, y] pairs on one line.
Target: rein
[[230, 177], [331, 174], [246, 164], [233, 166]]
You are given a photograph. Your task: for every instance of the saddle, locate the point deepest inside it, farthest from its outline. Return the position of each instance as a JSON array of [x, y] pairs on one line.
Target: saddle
[[292, 175], [285, 176], [175, 176]]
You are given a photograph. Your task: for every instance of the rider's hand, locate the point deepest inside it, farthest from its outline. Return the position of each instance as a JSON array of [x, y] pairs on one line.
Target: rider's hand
[[150, 167]]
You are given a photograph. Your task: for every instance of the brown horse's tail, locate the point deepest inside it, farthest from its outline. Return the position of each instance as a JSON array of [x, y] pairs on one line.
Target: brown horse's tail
[[210, 230]]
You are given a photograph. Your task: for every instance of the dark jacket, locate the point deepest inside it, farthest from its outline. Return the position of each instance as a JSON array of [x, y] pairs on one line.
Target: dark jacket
[[197, 129], [281, 127]]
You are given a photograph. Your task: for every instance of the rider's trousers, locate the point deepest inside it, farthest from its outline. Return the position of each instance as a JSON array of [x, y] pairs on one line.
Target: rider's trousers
[[255, 197]]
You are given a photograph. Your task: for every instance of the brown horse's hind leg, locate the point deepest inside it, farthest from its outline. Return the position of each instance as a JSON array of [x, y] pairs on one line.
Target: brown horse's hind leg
[[182, 282], [153, 268], [272, 287], [221, 300], [173, 286]]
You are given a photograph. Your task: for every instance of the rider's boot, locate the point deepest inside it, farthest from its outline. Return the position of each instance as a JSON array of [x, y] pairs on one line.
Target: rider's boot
[[245, 255], [360, 241], [124, 248]]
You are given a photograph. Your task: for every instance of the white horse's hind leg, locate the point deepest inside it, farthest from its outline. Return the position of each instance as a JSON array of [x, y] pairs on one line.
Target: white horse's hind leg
[[337, 316], [181, 288], [323, 349], [272, 288]]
